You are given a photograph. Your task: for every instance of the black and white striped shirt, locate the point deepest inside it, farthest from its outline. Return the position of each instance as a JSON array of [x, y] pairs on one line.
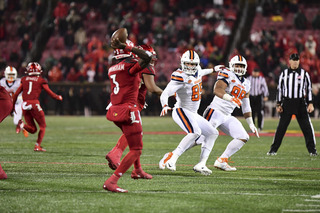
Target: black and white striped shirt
[[258, 86], [294, 84]]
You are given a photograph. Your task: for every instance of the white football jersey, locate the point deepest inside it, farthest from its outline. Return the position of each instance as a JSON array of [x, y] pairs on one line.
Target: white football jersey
[[10, 87], [237, 87], [186, 88]]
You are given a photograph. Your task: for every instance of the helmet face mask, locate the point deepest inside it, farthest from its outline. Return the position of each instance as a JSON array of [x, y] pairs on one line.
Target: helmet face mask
[[121, 53], [10, 74], [238, 65], [34, 68], [190, 62]]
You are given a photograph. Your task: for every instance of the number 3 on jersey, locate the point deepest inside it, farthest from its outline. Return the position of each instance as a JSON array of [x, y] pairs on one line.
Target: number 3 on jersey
[[116, 88], [238, 93]]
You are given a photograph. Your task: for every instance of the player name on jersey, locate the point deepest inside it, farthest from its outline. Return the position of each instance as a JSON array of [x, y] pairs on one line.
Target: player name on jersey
[[117, 67], [32, 78]]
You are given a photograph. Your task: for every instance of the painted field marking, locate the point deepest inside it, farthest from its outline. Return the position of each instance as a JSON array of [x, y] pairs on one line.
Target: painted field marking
[[308, 200], [188, 165], [308, 205], [316, 196], [300, 210], [153, 192]]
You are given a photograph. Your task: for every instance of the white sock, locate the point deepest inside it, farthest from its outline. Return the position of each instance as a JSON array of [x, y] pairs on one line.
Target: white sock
[[186, 143], [234, 146], [206, 148]]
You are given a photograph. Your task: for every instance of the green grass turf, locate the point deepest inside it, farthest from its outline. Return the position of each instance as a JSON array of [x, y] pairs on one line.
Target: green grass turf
[[69, 176]]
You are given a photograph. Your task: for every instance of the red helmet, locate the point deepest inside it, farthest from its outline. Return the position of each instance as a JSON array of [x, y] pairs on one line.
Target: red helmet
[[34, 68], [121, 53], [149, 48]]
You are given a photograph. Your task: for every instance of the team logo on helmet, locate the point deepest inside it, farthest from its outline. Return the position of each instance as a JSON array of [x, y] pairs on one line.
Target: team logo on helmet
[[34, 68]]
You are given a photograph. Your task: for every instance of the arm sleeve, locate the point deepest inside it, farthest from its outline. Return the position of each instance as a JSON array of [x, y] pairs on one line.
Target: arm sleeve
[[170, 90], [135, 69], [279, 93], [206, 71], [265, 88], [49, 91], [246, 105], [308, 87]]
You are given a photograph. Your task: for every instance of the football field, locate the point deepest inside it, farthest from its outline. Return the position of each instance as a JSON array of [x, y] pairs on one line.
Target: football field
[[70, 175]]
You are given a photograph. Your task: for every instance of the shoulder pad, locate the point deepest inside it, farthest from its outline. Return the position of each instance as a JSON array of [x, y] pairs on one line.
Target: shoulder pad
[[177, 75]]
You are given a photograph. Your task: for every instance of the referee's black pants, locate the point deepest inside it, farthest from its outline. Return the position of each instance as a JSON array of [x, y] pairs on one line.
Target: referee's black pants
[[256, 103], [294, 107]]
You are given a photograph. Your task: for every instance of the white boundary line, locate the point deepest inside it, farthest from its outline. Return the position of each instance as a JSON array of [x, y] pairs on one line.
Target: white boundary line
[[155, 192]]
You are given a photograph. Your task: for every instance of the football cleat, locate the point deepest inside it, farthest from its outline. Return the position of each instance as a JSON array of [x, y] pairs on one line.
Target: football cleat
[[163, 161], [171, 165], [25, 133], [140, 174], [113, 161], [202, 169], [39, 149], [312, 154], [113, 187], [222, 163], [271, 153], [19, 126], [3, 175]]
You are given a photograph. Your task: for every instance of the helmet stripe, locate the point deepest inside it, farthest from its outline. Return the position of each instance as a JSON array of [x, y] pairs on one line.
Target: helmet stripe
[[240, 58], [11, 69], [191, 54]]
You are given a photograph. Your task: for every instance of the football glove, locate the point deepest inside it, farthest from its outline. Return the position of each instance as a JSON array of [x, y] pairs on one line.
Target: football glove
[[236, 101], [254, 130], [218, 68], [165, 110]]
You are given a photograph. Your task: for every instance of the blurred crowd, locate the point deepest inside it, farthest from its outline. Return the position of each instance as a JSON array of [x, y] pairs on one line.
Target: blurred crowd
[[79, 47]]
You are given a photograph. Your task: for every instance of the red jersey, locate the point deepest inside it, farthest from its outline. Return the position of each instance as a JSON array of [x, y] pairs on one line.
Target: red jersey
[[31, 87], [143, 89], [125, 82], [4, 94]]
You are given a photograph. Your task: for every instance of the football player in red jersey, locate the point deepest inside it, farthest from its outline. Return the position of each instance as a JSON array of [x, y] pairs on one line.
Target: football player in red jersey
[[147, 84], [124, 112], [5, 109], [31, 87]]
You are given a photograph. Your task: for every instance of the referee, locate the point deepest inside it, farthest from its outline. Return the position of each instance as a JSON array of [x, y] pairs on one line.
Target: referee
[[294, 97], [258, 95]]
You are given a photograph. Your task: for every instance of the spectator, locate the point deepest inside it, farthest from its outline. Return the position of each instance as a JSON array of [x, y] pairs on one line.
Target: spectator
[[72, 75], [316, 21], [25, 46], [80, 38], [95, 43], [55, 74], [310, 45], [69, 39], [300, 20]]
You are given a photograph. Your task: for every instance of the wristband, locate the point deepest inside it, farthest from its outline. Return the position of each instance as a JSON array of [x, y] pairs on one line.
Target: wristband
[[128, 48], [227, 97], [249, 120]]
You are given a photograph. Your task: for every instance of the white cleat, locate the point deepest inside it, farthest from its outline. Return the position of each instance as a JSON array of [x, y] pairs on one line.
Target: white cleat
[[163, 161], [202, 169], [171, 165], [222, 163]]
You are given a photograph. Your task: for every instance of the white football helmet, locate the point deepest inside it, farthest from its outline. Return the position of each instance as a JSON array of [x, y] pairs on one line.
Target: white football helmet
[[240, 60], [10, 73], [189, 62]]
